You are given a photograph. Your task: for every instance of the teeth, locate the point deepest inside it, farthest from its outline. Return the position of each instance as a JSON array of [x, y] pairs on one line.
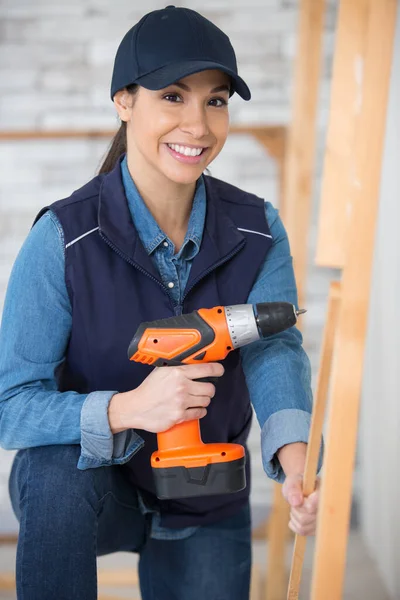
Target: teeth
[[185, 150]]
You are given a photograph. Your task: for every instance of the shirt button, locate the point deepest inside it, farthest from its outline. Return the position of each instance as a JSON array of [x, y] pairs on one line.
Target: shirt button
[[171, 284], [166, 244]]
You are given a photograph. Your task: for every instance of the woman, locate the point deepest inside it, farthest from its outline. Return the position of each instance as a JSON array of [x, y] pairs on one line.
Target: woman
[[150, 237]]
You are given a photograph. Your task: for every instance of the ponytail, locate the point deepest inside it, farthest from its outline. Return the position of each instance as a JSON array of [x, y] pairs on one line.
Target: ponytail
[[118, 145]]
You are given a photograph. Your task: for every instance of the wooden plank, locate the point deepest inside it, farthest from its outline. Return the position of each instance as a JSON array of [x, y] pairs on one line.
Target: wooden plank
[[334, 510], [118, 577], [8, 539], [271, 136], [7, 581], [346, 97], [108, 597], [106, 578], [295, 209], [55, 134], [255, 584], [276, 573], [301, 137], [317, 422]]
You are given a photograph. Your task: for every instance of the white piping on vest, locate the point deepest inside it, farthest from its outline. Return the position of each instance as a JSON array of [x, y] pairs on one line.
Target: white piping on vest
[[257, 232], [81, 236]]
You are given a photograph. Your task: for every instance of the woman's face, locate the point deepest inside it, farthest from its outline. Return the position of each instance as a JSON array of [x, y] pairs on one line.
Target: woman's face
[[178, 130]]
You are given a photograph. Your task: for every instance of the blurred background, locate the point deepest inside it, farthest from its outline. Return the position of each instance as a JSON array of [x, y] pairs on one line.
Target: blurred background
[[55, 67]]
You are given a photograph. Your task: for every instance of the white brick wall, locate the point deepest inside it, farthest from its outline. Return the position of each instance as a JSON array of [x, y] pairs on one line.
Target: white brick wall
[[55, 68]]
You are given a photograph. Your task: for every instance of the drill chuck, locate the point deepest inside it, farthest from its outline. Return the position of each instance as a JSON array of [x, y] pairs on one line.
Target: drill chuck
[[248, 323], [275, 317]]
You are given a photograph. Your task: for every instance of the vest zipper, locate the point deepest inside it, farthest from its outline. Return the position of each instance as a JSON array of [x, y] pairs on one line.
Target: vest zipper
[[215, 265], [138, 267], [178, 309]]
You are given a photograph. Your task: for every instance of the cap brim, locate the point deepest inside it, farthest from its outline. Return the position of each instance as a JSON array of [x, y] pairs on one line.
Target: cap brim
[[169, 74]]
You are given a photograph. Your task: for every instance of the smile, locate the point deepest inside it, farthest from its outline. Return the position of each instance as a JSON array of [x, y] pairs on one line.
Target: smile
[[185, 154], [185, 150]]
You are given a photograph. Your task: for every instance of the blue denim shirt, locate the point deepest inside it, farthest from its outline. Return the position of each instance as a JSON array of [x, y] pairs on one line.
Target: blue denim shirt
[[173, 268], [35, 331]]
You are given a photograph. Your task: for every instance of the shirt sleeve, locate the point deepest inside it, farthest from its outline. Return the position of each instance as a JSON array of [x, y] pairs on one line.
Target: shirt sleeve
[[34, 334], [277, 369]]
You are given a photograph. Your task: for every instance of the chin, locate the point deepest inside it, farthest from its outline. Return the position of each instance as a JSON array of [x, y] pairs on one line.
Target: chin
[[184, 176]]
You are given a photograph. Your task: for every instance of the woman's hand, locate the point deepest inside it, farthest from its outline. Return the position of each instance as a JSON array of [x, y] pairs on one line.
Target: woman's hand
[[166, 397], [303, 511]]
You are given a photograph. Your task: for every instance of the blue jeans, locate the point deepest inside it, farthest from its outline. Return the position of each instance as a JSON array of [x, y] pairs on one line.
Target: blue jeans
[[68, 517]]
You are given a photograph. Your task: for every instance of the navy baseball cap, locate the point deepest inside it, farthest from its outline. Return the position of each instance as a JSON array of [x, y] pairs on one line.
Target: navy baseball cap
[[169, 44]]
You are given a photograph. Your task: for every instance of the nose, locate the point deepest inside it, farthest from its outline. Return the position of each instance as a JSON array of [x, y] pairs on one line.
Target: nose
[[195, 121]]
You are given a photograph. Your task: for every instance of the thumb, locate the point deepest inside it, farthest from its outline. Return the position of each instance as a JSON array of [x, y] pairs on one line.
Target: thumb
[[293, 491]]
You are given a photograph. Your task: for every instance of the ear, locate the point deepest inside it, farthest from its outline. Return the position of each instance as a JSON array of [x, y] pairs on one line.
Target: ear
[[123, 104]]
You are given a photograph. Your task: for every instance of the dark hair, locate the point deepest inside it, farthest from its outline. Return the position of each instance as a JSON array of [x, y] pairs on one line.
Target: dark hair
[[118, 143]]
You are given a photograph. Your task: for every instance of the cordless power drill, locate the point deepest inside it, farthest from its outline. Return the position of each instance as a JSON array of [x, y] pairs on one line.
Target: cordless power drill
[[183, 465]]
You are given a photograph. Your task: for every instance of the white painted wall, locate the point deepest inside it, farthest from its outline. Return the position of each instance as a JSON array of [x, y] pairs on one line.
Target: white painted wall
[[380, 414]]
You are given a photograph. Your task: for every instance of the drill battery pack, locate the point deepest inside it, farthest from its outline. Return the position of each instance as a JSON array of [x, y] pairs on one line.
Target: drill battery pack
[[214, 478]]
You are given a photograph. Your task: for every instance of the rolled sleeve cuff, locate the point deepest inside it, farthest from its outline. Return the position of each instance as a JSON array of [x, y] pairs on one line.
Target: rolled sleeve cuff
[[99, 446], [284, 427]]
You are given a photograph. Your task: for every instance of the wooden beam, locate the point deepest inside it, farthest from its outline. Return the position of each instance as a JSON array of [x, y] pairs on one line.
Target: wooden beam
[[7, 581], [25, 135], [8, 539], [118, 577], [276, 573], [271, 136], [301, 137], [346, 98], [335, 501], [108, 597], [317, 422]]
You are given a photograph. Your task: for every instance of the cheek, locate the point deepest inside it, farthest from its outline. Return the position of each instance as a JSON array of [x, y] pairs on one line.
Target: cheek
[[220, 130], [219, 125], [150, 126]]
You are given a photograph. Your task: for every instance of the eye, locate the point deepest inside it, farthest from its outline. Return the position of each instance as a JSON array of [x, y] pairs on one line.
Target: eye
[[172, 98], [222, 102]]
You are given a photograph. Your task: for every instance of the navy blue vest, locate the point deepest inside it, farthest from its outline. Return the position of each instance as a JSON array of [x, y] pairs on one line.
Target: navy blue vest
[[113, 286]]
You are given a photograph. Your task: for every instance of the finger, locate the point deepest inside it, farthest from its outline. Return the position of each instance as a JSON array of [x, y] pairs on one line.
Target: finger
[[198, 402], [202, 370], [303, 528], [303, 520], [293, 491], [192, 414], [201, 388], [304, 510], [303, 531], [311, 504]]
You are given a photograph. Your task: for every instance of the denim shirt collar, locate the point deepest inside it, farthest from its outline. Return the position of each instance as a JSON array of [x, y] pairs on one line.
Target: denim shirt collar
[[151, 235]]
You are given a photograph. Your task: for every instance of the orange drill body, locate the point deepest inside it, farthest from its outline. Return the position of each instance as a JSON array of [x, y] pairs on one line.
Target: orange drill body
[[183, 465], [182, 444], [170, 343]]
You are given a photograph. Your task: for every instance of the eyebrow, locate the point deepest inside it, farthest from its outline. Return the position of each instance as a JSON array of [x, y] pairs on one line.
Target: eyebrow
[[221, 88]]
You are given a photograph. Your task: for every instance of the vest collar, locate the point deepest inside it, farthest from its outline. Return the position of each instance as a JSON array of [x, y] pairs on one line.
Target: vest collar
[[221, 238]]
